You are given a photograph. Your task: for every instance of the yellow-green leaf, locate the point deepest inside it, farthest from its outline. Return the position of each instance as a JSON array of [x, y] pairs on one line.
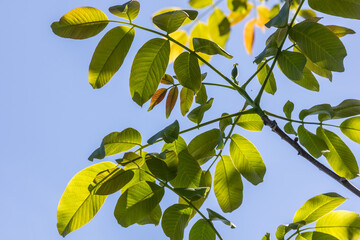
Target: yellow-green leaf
[[340, 31], [201, 230], [174, 221], [251, 122], [109, 55], [247, 159], [175, 50], [148, 68], [271, 83], [78, 205], [200, 3], [318, 206], [209, 47], [314, 144], [80, 23], [128, 10], [186, 100], [228, 185], [351, 128], [173, 20], [220, 27], [201, 30], [340, 157], [187, 70]]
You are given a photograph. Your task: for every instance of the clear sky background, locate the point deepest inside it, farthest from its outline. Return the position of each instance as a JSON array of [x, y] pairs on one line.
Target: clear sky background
[[51, 121]]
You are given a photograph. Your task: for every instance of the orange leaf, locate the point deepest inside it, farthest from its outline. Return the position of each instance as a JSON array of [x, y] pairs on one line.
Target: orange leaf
[[157, 97], [171, 100], [249, 35]]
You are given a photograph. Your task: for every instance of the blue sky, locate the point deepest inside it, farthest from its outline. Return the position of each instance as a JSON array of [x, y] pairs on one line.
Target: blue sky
[[51, 120]]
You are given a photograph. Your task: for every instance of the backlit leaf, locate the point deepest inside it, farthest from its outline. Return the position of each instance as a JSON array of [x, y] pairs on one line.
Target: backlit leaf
[[314, 144], [109, 55], [251, 122], [249, 35], [167, 80], [160, 169], [315, 236], [200, 3], [317, 109], [128, 10], [175, 50], [247, 159], [228, 185], [340, 157], [214, 216], [148, 68], [351, 128], [153, 218], [171, 100], [288, 108], [187, 70], [175, 220], [347, 108], [201, 30], [340, 31], [78, 205], [201, 97], [192, 194], [197, 114], [320, 45], [209, 47], [158, 96], [239, 14], [340, 224], [271, 83], [186, 100], [223, 123], [204, 144], [80, 23], [220, 27], [137, 202], [318, 206], [292, 64], [112, 180], [341, 8], [173, 20], [308, 81], [201, 230]]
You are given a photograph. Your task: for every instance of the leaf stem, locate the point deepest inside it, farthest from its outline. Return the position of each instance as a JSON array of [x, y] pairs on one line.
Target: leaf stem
[[219, 85]]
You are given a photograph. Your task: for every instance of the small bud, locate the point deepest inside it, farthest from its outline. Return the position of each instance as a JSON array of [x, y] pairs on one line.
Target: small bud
[[235, 73]]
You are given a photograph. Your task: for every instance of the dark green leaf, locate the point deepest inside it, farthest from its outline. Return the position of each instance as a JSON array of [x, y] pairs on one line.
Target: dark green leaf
[[281, 19], [292, 64], [201, 97], [160, 169], [320, 45], [314, 144], [173, 20], [228, 186], [204, 144], [214, 216], [223, 123], [109, 55], [137, 202], [288, 108], [80, 23], [341, 8], [340, 157], [128, 10], [289, 129], [187, 70], [317, 109], [148, 68], [209, 47], [192, 194], [169, 134], [197, 114], [112, 180], [348, 108]]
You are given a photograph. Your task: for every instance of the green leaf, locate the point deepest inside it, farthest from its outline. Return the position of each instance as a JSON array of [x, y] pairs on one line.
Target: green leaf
[[158, 96], [223, 123], [307, 13], [128, 10], [288, 108], [318, 206], [214, 216], [220, 27], [112, 180], [271, 84], [187, 70], [189, 172], [78, 205], [351, 128], [270, 50], [347, 108], [173, 20], [197, 114], [281, 231], [292, 64], [315, 236], [139, 176], [131, 160], [308, 81], [80, 23], [200, 3], [281, 19], [340, 157], [167, 80], [169, 134], [314, 144], [316, 110], [117, 142], [228, 185], [109, 55], [175, 220], [247, 159], [160, 169], [340, 224], [234, 5], [201, 30], [289, 129], [201, 230], [171, 100], [201, 97], [192, 194], [209, 47], [137, 202], [340, 31], [341, 8], [148, 68], [186, 100], [153, 218], [251, 122], [266, 236], [320, 45], [204, 144]]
